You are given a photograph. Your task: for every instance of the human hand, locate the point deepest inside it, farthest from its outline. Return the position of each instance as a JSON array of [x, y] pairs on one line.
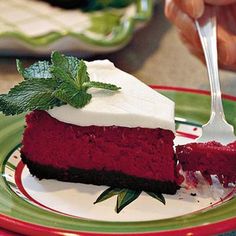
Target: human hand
[[183, 12]]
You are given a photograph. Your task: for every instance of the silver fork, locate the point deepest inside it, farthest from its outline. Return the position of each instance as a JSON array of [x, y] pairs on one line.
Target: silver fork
[[216, 128]]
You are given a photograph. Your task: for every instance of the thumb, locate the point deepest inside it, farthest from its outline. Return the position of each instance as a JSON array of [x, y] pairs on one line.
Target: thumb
[[220, 2], [194, 8]]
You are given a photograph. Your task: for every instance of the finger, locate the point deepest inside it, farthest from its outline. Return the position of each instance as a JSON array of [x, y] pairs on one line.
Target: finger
[[196, 51], [226, 47], [189, 43], [178, 17], [183, 22], [226, 41], [194, 8], [232, 67], [220, 2], [227, 18], [199, 54]]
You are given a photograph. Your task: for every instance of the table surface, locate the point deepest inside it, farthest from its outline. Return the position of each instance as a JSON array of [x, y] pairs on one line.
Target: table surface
[[155, 55]]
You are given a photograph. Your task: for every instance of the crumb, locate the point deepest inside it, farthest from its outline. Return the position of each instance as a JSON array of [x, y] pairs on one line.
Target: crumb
[[180, 198], [211, 203], [198, 201], [193, 194]]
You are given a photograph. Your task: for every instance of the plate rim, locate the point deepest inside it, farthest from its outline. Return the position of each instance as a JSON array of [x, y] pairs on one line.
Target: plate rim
[[21, 226], [220, 226], [142, 14]]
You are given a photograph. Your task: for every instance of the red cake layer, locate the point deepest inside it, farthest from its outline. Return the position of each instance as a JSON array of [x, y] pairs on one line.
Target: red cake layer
[[140, 152], [210, 158]]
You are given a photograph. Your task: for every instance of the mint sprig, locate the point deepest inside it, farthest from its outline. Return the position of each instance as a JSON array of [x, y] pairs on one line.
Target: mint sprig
[[30, 95], [39, 70], [64, 80]]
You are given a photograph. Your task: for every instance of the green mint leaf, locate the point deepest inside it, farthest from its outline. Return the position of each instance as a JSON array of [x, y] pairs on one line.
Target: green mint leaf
[[29, 95], [108, 193], [61, 75], [60, 60], [82, 74], [67, 63], [157, 196], [125, 198], [68, 92], [95, 84], [73, 65], [39, 70], [20, 67]]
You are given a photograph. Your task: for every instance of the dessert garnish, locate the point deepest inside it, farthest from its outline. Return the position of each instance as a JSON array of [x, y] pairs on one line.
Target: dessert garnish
[[126, 196], [64, 80]]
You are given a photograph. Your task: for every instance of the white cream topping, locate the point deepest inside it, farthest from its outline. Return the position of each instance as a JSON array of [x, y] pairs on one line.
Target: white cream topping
[[134, 105]]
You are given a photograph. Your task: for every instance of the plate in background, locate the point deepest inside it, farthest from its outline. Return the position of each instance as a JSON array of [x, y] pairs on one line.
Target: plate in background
[[32, 27]]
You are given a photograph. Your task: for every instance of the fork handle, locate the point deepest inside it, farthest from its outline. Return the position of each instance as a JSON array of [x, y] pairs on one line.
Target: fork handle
[[207, 32]]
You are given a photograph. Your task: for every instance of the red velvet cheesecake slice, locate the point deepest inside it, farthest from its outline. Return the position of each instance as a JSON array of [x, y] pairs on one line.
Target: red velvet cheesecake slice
[[210, 158], [90, 122], [122, 139], [135, 158]]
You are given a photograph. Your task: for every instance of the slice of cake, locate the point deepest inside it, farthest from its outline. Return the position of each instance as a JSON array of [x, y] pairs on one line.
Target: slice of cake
[[211, 158], [92, 123], [122, 139]]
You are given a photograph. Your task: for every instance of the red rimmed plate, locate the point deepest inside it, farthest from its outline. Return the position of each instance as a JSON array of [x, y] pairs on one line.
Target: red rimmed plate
[[55, 208]]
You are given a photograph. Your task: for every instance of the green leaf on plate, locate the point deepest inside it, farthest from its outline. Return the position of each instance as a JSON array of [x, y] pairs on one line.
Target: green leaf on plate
[[157, 196], [95, 84], [19, 67], [69, 93], [125, 197], [29, 95], [59, 60], [39, 70], [73, 65], [68, 64], [82, 74], [61, 75], [108, 193]]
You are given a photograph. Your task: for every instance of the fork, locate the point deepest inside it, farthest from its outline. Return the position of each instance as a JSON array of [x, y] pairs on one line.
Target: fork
[[217, 128]]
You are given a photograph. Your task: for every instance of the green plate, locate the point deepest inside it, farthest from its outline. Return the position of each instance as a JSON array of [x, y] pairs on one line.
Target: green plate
[[30, 26], [21, 213]]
